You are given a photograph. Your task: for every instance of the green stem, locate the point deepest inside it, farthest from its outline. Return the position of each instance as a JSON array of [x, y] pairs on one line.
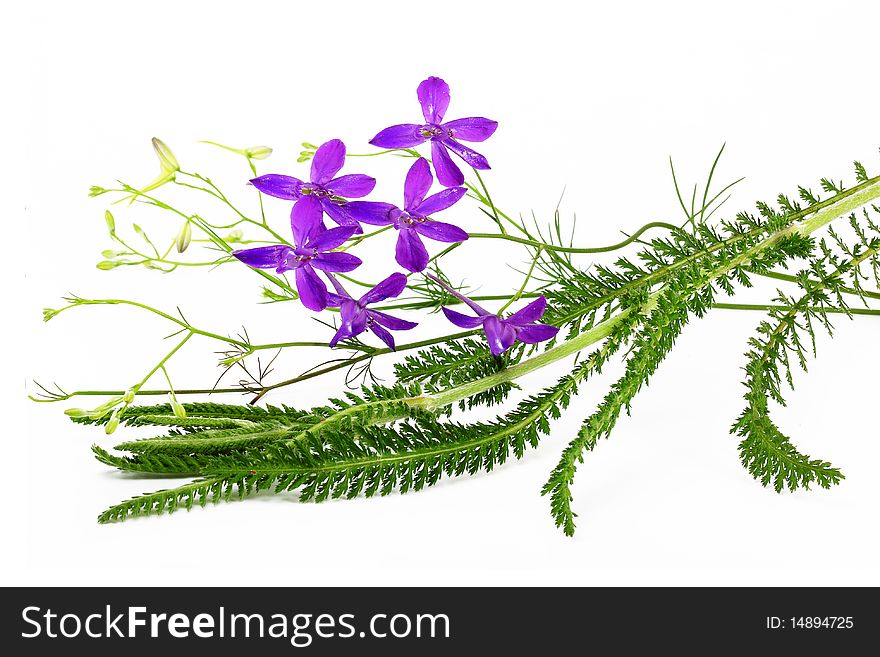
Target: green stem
[[794, 279], [769, 307], [568, 348], [572, 249], [161, 363], [348, 362], [488, 201]]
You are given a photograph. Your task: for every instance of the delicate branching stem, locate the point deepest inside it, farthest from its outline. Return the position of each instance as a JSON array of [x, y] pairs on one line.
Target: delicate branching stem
[[571, 249], [161, 363], [171, 318], [348, 362]]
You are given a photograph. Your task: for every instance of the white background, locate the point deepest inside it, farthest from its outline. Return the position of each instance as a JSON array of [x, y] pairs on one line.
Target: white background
[[591, 97]]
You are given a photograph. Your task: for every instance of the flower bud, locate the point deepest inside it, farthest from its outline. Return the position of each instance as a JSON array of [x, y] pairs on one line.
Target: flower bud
[[107, 265], [95, 190], [139, 230], [112, 423], [235, 235], [76, 412], [177, 407], [306, 144], [184, 237], [166, 158], [111, 223], [258, 152], [128, 397], [49, 313]]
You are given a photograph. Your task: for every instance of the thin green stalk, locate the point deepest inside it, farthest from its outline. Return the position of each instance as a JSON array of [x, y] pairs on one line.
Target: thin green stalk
[[571, 249], [348, 362], [522, 288], [490, 203], [794, 279], [161, 363], [768, 307]]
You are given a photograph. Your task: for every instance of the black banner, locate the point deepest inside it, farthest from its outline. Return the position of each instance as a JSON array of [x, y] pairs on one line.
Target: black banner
[[430, 621]]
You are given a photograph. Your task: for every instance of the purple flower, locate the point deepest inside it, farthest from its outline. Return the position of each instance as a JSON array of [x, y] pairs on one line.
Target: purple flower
[[331, 192], [501, 333], [355, 317], [414, 222], [434, 96], [313, 249]]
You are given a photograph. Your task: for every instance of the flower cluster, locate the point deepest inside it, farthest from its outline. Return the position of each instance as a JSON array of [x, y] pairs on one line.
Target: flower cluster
[[317, 249]]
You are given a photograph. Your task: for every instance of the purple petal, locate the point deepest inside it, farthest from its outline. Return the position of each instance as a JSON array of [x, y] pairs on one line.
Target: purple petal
[[264, 257], [535, 333], [370, 212], [328, 160], [464, 321], [335, 300], [433, 95], [529, 313], [383, 335], [499, 334], [448, 174], [410, 252], [312, 291], [306, 219], [441, 200], [330, 239], [437, 230], [273, 184], [338, 287], [390, 287], [340, 214], [336, 261], [353, 185], [404, 135], [394, 323], [343, 333], [470, 156], [352, 321], [418, 182], [474, 128], [353, 316]]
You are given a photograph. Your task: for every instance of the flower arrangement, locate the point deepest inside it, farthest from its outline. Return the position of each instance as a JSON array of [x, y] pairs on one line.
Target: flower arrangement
[[402, 436]]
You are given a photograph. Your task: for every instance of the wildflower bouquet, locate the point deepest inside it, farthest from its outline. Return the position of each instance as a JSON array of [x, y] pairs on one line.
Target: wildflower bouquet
[[402, 436]]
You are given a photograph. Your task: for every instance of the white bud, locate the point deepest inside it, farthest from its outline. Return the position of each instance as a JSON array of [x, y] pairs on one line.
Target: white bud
[[177, 407], [184, 237], [112, 423], [166, 158], [111, 223], [128, 397]]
